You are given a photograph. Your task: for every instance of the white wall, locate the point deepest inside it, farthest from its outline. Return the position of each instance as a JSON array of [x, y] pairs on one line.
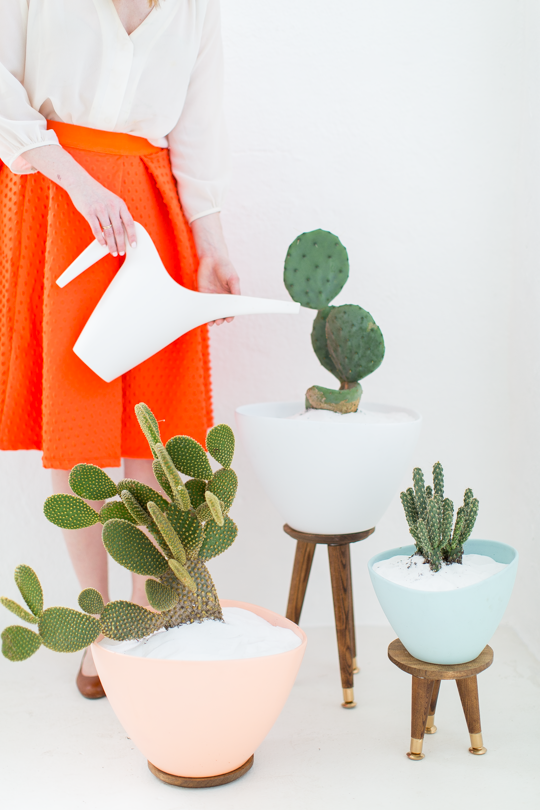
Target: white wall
[[399, 126], [523, 436]]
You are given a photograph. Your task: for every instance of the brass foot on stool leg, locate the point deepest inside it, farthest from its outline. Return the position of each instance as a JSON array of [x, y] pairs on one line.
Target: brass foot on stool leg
[[477, 745], [431, 728], [416, 749], [348, 699], [355, 667]]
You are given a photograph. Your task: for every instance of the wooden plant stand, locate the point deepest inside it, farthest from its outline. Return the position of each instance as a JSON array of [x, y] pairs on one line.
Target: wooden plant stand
[[339, 558], [426, 680]]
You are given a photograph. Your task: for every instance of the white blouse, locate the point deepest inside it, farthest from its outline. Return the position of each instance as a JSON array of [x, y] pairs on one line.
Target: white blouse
[[73, 61]]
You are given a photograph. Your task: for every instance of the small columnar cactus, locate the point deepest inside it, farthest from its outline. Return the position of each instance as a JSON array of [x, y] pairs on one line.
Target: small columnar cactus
[[189, 524], [431, 519], [346, 339]]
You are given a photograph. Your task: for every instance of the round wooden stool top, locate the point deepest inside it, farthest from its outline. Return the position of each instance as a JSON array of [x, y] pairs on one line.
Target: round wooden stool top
[[328, 539], [399, 656]]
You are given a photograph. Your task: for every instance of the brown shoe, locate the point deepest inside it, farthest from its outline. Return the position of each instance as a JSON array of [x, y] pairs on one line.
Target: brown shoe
[[89, 685]]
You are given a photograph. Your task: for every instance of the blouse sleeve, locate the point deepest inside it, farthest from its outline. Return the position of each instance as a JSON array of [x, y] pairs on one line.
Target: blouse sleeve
[[198, 143], [21, 127]]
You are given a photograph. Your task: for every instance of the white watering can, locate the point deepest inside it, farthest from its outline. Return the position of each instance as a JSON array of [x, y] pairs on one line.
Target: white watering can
[[143, 309]]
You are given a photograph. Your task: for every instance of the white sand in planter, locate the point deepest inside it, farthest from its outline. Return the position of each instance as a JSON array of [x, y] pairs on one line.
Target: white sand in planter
[[414, 572], [360, 416], [242, 634]]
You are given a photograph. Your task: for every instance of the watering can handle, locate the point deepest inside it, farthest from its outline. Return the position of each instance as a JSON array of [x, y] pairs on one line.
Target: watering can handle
[[93, 253]]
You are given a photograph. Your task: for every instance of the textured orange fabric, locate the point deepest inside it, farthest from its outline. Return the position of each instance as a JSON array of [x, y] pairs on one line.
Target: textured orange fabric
[[49, 399]]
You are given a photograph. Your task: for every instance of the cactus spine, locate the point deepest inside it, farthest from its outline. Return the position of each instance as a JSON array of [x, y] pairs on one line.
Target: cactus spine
[[190, 524], [346, 339], [430, 518]]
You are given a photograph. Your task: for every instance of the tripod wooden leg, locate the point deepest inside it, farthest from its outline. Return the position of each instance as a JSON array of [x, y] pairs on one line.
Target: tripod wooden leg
[[431, 728], [422, 691], [299, 580], [356, 668], [468, 692], [340, 573]]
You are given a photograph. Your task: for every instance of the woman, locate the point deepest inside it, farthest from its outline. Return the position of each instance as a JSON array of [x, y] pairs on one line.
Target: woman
[[110, 112]]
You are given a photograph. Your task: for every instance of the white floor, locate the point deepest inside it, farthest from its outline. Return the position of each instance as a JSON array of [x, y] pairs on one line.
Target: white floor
[[60, 751]]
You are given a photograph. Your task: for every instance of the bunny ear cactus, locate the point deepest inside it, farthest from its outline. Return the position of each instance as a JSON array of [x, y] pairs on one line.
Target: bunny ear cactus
[[431, 517], [188, 520], [346, 339]]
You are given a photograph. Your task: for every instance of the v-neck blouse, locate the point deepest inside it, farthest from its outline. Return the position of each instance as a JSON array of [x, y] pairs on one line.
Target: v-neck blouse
[[73, 61]]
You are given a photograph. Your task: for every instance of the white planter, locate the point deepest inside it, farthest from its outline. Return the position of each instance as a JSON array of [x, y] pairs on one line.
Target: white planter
[[328, 477]]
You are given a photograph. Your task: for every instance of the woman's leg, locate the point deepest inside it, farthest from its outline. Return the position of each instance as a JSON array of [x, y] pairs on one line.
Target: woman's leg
[[87, 553], [141, 470]]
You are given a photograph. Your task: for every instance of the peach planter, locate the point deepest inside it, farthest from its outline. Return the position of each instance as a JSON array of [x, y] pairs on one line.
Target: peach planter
[[200, 718]]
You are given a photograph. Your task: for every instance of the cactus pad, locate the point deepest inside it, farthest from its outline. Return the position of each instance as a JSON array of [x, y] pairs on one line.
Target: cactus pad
[[132, 549], [223, 485], [160, 596], [187, 527], [355, 342], [148, 424], [19, 611], [65, 630], [215, 507], [91, 601], [69, 512], [203, 512], [168, 533], [196, 488], [90, 482], [19, 643], [320, 342], [183, 575], [142, 493], [220, 444], [30, 588], [161, 478], [115, 509], [123, 620], [189, 457], [327, 399], [217, 539], [139, 516], [316, 269]]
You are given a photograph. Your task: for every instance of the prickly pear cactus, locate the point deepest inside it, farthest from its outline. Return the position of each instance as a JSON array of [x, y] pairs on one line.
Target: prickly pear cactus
[[430, 517], [167, 536], [346, 339]]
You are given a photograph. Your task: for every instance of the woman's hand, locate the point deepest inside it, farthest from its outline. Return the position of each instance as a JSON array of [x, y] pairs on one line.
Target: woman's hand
[[216, 271], [106, 213]]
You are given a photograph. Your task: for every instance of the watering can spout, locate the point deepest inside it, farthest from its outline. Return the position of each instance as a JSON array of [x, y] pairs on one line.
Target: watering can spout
[[148, 309], [93, 253]]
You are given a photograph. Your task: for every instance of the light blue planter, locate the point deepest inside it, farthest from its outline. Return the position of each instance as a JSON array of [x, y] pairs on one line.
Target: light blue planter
[[448, 627]]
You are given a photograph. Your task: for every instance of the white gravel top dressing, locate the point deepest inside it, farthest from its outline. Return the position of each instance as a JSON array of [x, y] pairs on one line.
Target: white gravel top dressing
[[365, 417], [242, 634], [414, 572]]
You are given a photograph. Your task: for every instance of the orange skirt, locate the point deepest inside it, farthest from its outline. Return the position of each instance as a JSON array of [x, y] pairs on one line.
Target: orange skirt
[[50, 400]]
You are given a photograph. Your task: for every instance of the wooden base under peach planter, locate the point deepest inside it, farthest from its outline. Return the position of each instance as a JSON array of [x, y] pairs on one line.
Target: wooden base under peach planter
[[200, 719], [202, 781]]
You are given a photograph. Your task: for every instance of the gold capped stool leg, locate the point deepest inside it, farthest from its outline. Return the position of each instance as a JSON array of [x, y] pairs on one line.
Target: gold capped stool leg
[[416, 749], [348, 699], [431, 728], [477, 745]]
